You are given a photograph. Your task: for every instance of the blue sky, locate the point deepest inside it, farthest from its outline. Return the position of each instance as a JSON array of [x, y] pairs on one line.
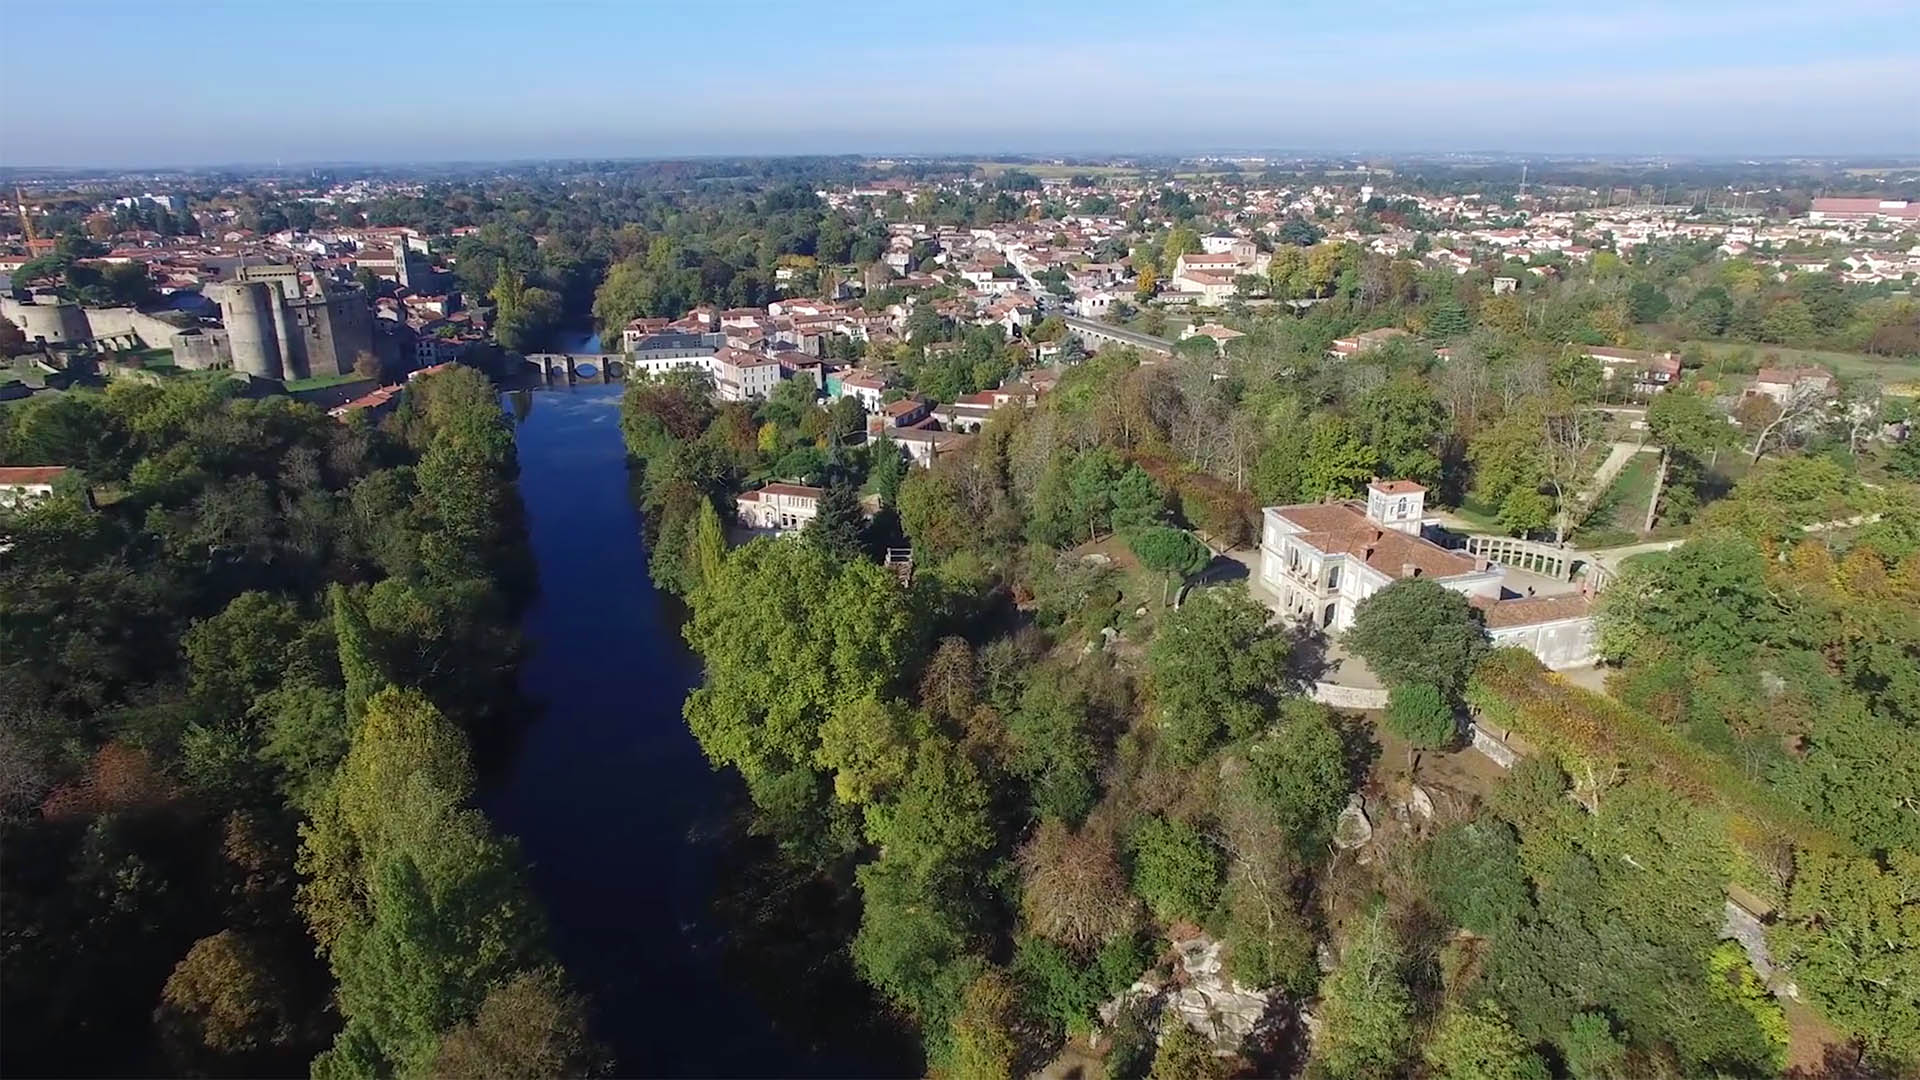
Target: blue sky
[[213, 82]]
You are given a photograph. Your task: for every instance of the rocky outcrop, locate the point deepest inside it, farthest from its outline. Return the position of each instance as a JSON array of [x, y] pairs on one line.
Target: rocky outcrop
[[1199, 994]]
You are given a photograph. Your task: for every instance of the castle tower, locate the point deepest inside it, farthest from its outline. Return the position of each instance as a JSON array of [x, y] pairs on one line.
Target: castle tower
[[247, 309]]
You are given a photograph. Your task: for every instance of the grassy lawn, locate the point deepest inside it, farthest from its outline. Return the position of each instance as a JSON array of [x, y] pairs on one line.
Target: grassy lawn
[[1482, 516], [1624, 506], [1889, 369], [321, 382]]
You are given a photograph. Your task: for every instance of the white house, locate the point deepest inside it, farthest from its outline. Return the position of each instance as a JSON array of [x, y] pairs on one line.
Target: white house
[[744, 376], [22, 486], [778, 506], [1781, 383], [1319, 561]]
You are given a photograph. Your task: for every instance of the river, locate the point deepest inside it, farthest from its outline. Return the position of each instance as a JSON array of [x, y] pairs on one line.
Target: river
[[623, 823]]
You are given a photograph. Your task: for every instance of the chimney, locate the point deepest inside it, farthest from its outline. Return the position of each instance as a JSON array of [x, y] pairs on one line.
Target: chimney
[[1407, 569]]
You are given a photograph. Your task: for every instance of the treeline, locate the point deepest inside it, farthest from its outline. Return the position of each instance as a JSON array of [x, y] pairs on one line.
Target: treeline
[[241, 702]]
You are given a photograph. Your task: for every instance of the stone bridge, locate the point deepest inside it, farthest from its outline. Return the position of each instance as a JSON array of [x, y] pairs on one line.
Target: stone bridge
[[581, 367], [1095, 334]]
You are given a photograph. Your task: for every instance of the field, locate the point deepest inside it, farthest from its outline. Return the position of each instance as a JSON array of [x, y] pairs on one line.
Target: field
[[1890, 370]]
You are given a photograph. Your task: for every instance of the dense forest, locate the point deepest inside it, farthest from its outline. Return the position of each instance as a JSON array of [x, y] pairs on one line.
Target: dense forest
[[251, 657]]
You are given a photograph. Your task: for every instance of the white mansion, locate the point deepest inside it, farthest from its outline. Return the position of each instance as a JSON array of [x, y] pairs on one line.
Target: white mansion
[[1318, 561]]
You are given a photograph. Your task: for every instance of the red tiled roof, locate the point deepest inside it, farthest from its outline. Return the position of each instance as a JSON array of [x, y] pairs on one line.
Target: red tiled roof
[[1531, 610], [31, 474], [797, 490], [1396, 487], [1341, 528], [1791, 375]]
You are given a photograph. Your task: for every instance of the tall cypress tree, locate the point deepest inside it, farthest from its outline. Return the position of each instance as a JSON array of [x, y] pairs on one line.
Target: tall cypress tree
[[359, 664]]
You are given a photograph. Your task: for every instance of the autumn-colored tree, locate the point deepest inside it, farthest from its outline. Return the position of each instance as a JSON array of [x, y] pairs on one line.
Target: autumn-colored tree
[[984, 1043], [531, 1028], [119, 778], [1074, 890], [224, 996]]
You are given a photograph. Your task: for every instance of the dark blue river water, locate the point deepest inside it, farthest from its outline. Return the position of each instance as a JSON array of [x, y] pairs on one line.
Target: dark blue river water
[[616, 809]]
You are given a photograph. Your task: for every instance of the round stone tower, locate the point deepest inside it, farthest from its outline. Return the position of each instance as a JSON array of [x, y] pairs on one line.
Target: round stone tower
[[246, 309]]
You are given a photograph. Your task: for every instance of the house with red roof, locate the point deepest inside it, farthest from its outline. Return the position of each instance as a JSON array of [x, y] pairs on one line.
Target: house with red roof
[[1320, 561]]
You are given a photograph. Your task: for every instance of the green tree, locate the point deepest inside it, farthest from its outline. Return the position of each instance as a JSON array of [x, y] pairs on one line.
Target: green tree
[[1709, 597], [1336, 460], [1686, 429], [1184, 1054], [1592, 1050], [788, 634], [984, 1043], [1170, 551], [359, 658], [1091, 487], [837, 524], [1300, 772], [709, 550], [1647, 302], [1216, 669], [241, 652], [1366, 1012], [1472, 871], [886, 471], [626, 294], [1851, 937], [866, 744], [417, 906], [1137, 500], [938, 825], [1419, 713], [1479, 1043], [1176, 869], [1404, 423], [1419, 631]]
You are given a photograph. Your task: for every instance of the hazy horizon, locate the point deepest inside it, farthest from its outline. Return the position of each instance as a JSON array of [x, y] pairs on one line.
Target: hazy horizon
[[249, 84]]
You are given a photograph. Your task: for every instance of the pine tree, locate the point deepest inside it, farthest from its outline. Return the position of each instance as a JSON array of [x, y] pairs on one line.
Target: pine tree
[[887, 471], [837, 526]]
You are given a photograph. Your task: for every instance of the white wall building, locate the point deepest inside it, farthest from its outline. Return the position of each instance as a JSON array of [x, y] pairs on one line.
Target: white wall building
[[744, 376], [1323, 559], [22, 486], [1319, 561], [778, 506]]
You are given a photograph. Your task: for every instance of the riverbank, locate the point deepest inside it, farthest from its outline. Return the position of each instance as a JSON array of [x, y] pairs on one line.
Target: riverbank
[[627, 829]]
